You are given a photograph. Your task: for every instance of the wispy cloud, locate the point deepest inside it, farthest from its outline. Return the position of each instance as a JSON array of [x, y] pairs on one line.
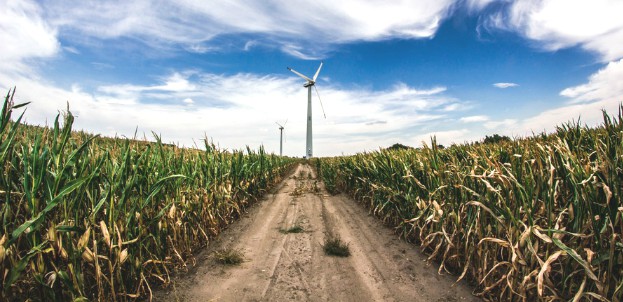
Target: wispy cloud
[[235, 111], [605, 84], [300, 52], [249, 45], [505, 85], [474, 119], [503, 124], [71, 50], [24, 34], [195, 23], [100, 65], [183, 105], [594, 25], [476, 5], [602, 91], [201, 48]]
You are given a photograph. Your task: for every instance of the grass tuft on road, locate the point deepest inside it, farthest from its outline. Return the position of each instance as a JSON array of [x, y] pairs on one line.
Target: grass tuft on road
[[293, 229], [334, 246], [229, 256]]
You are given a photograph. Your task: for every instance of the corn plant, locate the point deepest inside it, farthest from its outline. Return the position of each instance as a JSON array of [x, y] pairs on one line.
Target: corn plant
[[531, 219], [88, 217]]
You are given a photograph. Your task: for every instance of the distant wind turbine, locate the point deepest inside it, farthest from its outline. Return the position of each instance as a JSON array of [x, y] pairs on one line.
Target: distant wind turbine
[[281, 127], [310, 82]]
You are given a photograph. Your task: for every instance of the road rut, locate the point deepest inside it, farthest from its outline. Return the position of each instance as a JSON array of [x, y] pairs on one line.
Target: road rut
[[282, 266]]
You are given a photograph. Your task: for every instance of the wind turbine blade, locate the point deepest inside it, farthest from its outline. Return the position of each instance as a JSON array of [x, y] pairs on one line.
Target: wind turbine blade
[[285, 122], [317, 72], [300, 75], [278, 124], [318, 94]]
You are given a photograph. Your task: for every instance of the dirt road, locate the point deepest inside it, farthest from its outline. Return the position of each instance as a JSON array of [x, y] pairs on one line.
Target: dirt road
[[283, 266]]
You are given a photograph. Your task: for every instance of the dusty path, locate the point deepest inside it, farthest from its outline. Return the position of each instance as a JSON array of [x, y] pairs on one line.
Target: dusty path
[[284, 267]]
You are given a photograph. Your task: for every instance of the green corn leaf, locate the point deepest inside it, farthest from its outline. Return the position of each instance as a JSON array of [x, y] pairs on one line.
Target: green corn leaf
[[17, 270]]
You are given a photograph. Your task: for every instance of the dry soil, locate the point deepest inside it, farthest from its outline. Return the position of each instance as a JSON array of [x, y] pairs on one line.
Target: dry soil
[[282, 266]]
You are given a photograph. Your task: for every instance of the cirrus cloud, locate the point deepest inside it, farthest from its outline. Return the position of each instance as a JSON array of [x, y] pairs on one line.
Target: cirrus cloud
[[24, 34], [474, 119], [505, 85], [304, 33], [234, 111], [555, 24]]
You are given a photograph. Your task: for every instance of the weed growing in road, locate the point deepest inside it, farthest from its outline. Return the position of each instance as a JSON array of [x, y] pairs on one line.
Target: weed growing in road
[[302, 188], [293, 229], [229, 256], [333, 246], [316, 189]]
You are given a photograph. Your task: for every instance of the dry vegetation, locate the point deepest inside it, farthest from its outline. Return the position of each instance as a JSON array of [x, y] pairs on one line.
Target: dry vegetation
[[530, 219], [103, 219], [334, 246], [229, 256]]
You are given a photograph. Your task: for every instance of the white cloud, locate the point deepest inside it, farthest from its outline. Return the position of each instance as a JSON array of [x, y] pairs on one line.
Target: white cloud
[[201, 48], [24, 34], [455, 107], [71, 50], [504, 124], [372, 123], [101, 66], [305, 33], [603, 85], [184, 105], [235, 111], [505, 85], [175, 83], [474, 119], [300, 52], [603, 91], [594, 25], [249, 45], [476, 5]]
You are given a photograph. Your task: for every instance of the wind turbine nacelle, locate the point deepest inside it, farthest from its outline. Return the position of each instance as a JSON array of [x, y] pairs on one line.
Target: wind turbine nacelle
[[309, 84]]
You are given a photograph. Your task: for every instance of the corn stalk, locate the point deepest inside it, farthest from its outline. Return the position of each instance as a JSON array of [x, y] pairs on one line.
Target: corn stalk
[[89, 217], [531, 219]]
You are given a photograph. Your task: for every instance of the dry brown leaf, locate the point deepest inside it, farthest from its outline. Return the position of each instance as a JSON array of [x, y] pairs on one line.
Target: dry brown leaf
[[105, 233], [545, 269]]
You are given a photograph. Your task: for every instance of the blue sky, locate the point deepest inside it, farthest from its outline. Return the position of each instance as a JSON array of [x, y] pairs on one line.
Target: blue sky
[[398, 72]]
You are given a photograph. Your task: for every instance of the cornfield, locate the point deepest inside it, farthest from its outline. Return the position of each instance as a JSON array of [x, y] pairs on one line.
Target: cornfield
[[91, 218], [530, 219]]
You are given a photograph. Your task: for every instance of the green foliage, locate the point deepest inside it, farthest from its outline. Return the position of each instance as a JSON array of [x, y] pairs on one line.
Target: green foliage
[[527, 219], [334, 246], [496, 138], [229, 256], [99, 218], [398, 146]]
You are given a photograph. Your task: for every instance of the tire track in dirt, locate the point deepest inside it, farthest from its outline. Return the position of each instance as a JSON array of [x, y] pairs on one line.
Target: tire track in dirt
[[283, 266]]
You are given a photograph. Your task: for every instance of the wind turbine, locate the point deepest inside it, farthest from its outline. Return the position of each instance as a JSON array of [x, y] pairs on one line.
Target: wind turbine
[[281, 137], [310, 82]]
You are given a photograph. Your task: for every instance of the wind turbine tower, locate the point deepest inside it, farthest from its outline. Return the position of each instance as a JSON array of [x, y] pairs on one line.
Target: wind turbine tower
[[281, 137], [310, 82]]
